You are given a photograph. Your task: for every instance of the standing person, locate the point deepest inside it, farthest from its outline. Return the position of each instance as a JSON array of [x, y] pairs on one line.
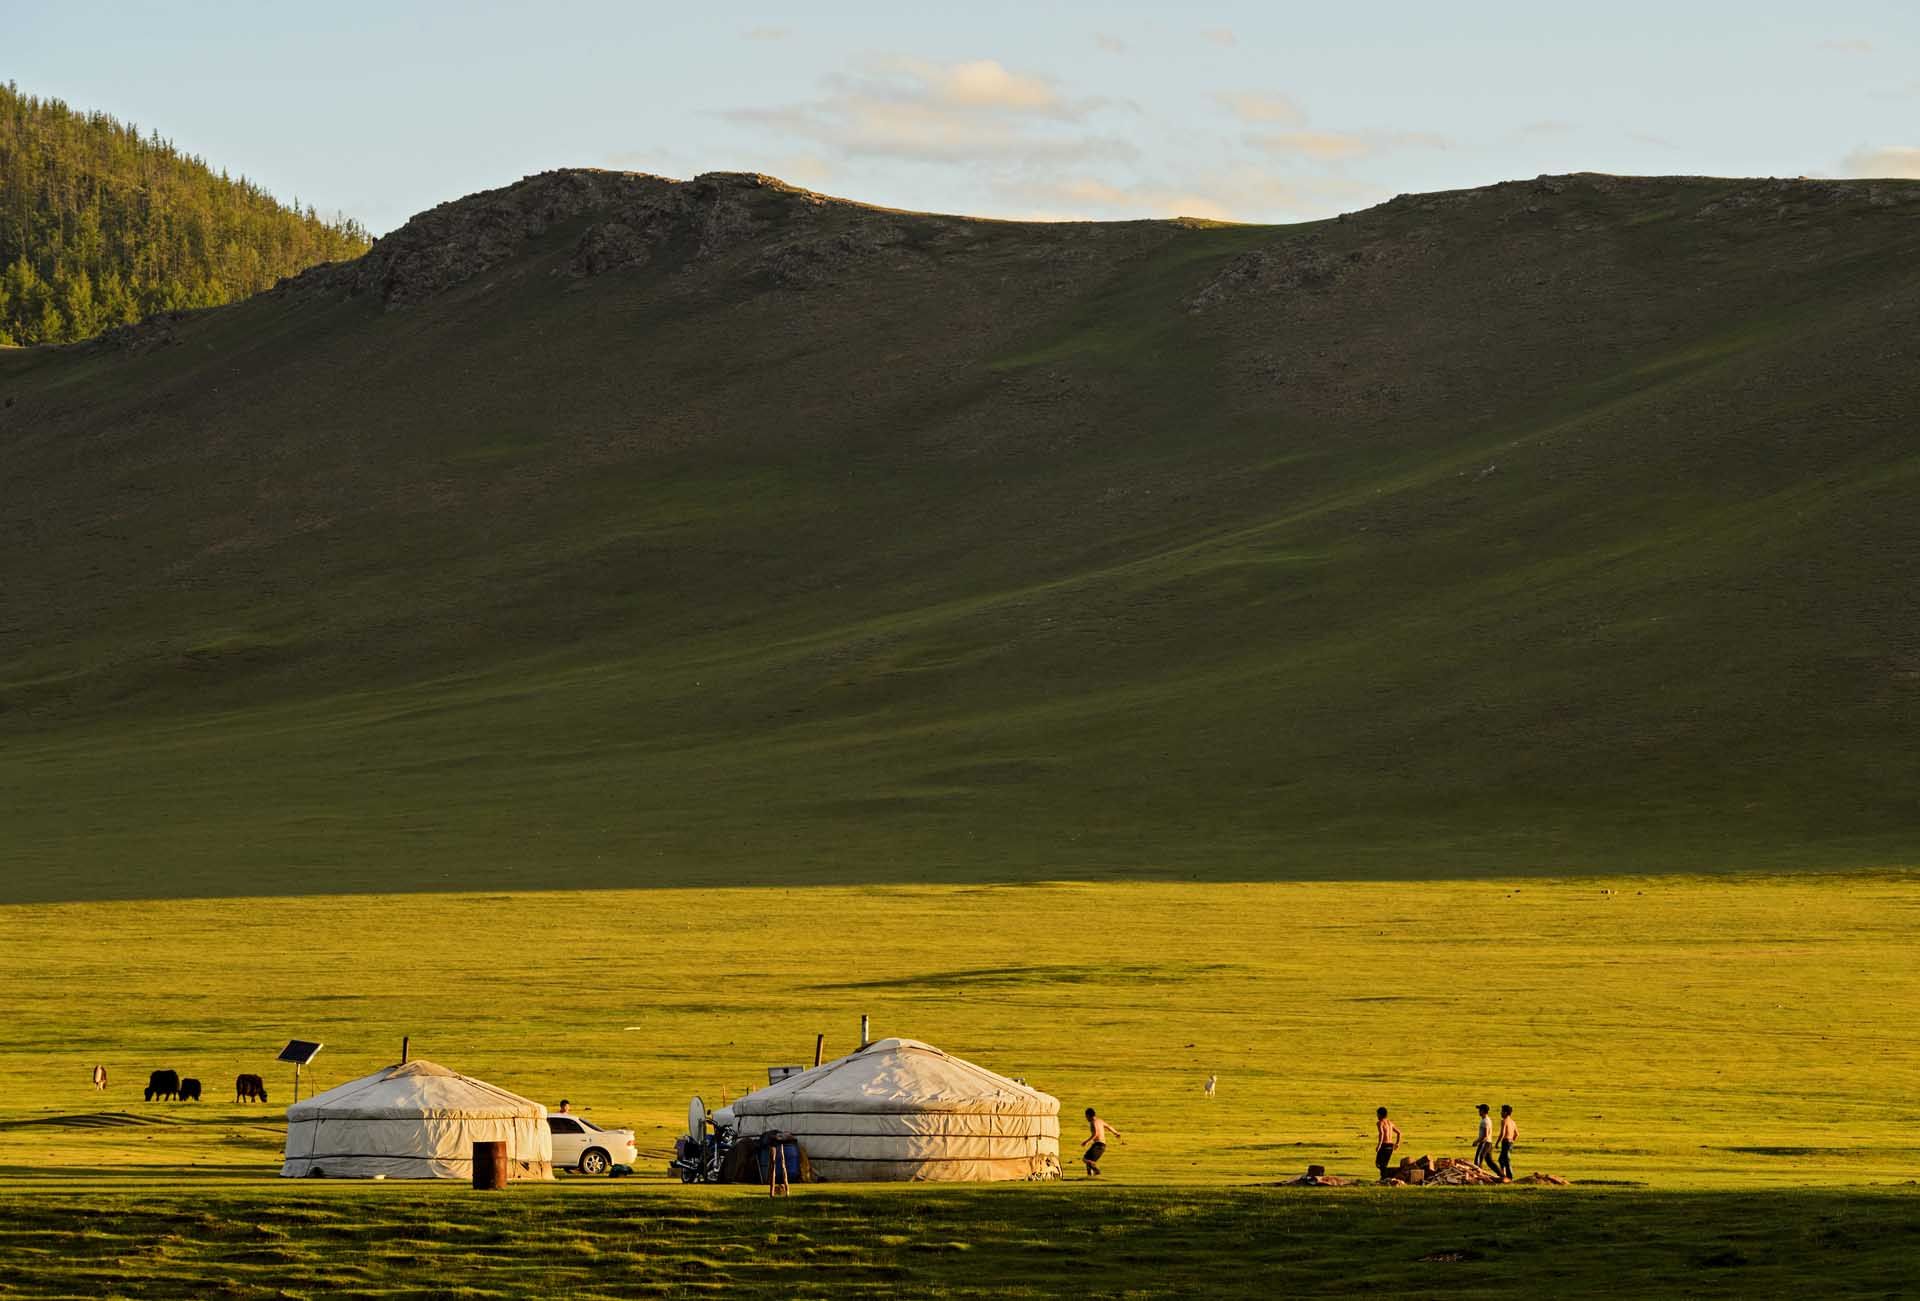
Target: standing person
[[1509, 1133], [777, 1185], [1389, 1138], [1096, 1142], [1483, 1142]]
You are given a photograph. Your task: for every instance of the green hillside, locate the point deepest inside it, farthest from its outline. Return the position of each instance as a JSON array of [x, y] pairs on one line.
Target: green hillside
[[607, 530], [100, 226]]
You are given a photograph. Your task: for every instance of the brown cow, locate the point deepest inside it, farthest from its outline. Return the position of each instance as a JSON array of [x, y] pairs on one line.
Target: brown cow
[[249, 1088], [100, 1078]]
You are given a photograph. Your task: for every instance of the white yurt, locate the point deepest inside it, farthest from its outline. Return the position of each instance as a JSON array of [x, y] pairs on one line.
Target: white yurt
[[417, 1120], [899, 1109]]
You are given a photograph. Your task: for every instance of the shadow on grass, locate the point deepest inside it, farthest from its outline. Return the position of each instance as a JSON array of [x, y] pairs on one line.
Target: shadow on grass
[[407, 1240], [1044, 974]]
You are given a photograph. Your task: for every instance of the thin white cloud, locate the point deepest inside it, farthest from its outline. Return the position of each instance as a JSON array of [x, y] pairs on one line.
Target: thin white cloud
[[1265, 109], [917, 133], [809, 170], [1326, 146], [1342, 146], [986, 83], [1225, 37], [1234, 194], [1110, 43], [921, 110], [1035, 148], [1085, 198], [1892, 160], [1854, 46], [1645, 138], [768, 33]]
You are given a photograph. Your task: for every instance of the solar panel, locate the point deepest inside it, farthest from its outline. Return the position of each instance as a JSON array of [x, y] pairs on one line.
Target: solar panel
[[300, 1052]]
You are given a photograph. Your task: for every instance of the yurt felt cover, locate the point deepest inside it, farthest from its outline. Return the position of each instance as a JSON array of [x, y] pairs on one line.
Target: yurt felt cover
[[899, 1109], [415, 1121]]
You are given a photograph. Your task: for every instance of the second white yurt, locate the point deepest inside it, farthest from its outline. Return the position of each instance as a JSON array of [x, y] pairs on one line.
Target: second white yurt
[[903, 1110], [417, 1120]]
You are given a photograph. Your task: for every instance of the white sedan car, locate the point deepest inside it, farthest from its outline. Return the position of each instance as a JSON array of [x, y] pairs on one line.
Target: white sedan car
[[588, 1148]]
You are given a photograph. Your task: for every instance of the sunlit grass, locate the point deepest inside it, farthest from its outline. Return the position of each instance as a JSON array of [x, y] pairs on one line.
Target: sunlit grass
[[1674, 1033]]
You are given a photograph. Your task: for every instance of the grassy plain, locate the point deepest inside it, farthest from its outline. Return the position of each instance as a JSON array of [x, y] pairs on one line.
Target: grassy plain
[[1675, 1033], [1727, 1067]]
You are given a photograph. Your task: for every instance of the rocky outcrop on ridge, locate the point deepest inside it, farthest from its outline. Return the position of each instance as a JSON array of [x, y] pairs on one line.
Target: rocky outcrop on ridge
[[632, 217]]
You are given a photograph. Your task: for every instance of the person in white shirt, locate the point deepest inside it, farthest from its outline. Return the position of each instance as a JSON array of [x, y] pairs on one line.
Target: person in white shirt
[[1483, 1142]]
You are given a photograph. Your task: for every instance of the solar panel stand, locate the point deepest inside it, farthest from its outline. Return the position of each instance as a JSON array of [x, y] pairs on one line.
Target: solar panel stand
[[300, 1052]]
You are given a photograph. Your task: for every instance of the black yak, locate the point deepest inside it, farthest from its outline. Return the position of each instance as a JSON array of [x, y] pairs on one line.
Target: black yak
[[189, 1090], [249, 1088], [163, 1084]]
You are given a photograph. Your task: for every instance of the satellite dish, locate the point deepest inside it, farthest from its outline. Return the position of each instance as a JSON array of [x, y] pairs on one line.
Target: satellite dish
[[696, 1119]]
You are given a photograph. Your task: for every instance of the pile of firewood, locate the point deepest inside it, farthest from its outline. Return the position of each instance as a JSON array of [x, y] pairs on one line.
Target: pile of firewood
[[1448, 1171], [1444, 1170]]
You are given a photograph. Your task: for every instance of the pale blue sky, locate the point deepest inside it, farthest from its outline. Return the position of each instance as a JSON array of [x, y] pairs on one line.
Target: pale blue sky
[[1256, 111]]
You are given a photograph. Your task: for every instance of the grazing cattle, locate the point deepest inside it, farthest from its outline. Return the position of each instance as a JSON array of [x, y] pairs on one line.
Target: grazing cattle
[[100, 1078], [249, 1088], [163, 1084], [189, 1090]]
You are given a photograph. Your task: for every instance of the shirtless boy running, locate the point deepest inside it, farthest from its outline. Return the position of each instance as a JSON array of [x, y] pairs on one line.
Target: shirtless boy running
[[1096, 1142]]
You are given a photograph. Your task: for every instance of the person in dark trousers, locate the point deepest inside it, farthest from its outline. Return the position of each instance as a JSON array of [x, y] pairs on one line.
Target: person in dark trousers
[[1095, 1142], [1509, 1133], [1483, 1142], [1388, 1135]]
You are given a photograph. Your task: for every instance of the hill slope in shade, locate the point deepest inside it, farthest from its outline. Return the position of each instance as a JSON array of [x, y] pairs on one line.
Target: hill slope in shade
[[610, 530]]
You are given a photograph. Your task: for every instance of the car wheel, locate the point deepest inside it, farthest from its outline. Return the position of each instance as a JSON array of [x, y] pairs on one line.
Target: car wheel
[[595, 1162]]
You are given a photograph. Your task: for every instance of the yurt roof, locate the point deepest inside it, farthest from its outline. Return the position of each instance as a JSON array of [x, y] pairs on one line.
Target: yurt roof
[[894, 1076], [414, 1089]]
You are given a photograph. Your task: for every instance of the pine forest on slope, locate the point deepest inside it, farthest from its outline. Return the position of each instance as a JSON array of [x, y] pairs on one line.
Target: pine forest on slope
[[100, 226]]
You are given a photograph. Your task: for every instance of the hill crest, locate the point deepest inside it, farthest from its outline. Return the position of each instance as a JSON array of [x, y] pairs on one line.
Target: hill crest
[[633, 218]]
